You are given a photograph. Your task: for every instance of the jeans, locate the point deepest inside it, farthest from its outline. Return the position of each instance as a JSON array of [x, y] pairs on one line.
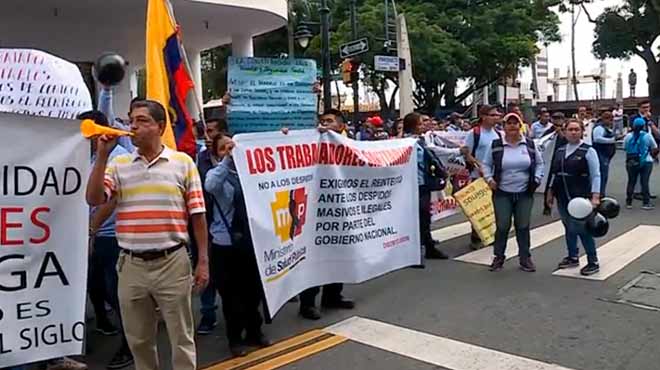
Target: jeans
[[518, 205], [604, 173], [574, 229], [426, 239], [642, 171], [208, 306]]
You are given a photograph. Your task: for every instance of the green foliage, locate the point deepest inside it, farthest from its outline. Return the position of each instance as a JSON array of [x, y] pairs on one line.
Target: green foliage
[[478, 40]]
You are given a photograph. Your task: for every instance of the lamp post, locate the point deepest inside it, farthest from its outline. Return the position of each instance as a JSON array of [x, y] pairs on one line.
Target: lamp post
[[304, 34]]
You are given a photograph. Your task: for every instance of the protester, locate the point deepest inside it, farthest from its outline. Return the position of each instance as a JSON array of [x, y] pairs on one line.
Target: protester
[[455, 122], [604, 142], [233, 264], [617, 114], [412, 124], [332, 120], [157, 190], [644, 112], [640, 149], [584, 115], [477, 143], [104, 254], [575, 173], [542, 125], [397, 133], [513, 168], [206, 160], [525, 129]]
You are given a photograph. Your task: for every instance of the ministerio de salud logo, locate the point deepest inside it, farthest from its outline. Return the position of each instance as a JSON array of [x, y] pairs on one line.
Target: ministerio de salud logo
[[289, 212]]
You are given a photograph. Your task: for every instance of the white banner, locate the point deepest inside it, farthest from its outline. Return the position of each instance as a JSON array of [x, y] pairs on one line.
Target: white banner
[[326, 209], [445, 145], [545, 145], [43, 238], [37, 83]]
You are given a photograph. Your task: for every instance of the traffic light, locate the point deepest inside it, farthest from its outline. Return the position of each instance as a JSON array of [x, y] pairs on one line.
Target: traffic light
[[350, 70]]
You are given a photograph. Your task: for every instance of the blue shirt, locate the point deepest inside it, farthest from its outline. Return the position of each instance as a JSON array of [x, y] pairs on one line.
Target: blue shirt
[[600, 138], [515, 167], [539, 128], [107, 229], [485, 142], [221, 182], [643, 146], [592, 162]]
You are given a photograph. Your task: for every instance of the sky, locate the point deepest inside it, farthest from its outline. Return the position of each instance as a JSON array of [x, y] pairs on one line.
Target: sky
[[559, 55]]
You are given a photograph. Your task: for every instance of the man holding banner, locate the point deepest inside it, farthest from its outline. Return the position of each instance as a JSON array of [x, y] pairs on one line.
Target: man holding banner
[[157, 190]]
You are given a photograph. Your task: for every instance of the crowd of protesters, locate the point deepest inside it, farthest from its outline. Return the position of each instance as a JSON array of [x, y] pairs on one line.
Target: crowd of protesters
[[151, 244]]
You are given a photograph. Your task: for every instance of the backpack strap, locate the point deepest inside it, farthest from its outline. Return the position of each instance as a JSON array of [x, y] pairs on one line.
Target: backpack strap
[[498, 153], [476, 135]]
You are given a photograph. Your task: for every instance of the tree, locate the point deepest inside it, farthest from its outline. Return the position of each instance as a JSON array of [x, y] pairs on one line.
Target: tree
[[631, 29]]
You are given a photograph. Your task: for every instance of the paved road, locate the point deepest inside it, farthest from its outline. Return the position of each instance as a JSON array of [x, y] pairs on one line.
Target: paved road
[[538, 316]]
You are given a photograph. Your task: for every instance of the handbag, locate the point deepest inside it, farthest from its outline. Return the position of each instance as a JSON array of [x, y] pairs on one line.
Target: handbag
[[633, 160]]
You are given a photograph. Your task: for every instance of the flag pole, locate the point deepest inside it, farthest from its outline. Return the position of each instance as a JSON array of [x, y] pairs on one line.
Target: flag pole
[[196, 97]]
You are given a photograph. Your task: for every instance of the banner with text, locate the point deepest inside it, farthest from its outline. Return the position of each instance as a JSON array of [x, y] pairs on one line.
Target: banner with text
[[268, 94], [43, 238], [326, 209], [476, 200], [446, 146], [37, 83]]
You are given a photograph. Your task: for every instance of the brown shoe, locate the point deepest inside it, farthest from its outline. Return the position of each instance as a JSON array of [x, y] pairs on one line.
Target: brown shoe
[[497, 264], [527, 265]]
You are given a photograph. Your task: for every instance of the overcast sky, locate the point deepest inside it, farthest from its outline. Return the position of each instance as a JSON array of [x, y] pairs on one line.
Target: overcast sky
[[560, 56]]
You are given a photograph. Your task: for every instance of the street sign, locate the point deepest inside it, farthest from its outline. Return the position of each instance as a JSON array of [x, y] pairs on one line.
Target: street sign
[[386, 63], [352, 48]]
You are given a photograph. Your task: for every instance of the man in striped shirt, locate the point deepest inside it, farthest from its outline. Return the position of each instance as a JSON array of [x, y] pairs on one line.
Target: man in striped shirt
[[157, 191]]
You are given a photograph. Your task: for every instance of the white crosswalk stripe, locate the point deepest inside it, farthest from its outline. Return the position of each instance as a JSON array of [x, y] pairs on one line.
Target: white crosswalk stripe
[[618, 252], [432, 349], [451, 232], [538, 237]]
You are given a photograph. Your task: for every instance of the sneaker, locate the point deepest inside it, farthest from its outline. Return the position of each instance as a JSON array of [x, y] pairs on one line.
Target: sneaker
[[121, 359], [105, 327], [498, 263], [65, 363], [432, 253], [527, 265], [206, 326], [310, 313], [568, 262], [590, 269], [648, 207], [629, 204]]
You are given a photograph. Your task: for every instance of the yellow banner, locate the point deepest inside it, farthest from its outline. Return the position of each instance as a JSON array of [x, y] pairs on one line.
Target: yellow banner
[[476, 200]]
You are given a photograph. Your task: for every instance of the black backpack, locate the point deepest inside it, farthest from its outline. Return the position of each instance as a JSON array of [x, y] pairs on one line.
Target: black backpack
[[435, 173]]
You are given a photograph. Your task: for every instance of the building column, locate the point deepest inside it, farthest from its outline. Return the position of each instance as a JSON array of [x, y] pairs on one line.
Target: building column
[[195, 59], [242, 46], [124, 93]]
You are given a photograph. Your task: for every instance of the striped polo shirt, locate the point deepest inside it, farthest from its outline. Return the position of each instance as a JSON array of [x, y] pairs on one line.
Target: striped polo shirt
[[154, 199]]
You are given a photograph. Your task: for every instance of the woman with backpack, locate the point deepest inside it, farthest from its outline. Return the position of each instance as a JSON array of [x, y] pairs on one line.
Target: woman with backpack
[[640, 149], [513, 168], [575, 172]]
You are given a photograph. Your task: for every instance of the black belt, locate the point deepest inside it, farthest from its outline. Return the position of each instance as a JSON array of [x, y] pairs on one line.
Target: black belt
[[152, 255]]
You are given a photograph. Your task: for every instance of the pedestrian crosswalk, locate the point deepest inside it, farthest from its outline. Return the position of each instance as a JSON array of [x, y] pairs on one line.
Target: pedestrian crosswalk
[[619, 252], [538, 237], [433, 349], [614, 255]]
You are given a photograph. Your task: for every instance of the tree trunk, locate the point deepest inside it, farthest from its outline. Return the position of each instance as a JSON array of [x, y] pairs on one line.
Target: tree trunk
[[449, 92], [574, 78], [654, 86]]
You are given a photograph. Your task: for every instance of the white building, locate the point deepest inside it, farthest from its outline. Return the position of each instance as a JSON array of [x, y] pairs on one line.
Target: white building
[[80, 30]]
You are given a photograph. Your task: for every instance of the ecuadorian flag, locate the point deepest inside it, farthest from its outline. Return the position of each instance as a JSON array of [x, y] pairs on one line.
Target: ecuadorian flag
[[168, 80]]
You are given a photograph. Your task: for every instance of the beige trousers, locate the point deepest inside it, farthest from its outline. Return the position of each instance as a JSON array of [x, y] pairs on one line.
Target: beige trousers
[[166, 283]]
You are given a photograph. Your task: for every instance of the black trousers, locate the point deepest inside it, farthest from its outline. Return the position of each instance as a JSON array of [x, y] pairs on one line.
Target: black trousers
[[235, 274], [425, 217], [331, 293], [102, 280]]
